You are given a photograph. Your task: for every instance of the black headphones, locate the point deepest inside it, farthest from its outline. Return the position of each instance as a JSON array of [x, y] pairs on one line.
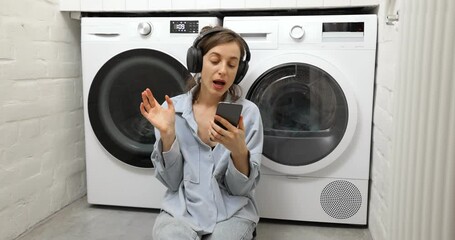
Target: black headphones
[[194, 56]]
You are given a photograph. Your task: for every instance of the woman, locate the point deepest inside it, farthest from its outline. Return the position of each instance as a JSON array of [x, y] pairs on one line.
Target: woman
[[210, 172]]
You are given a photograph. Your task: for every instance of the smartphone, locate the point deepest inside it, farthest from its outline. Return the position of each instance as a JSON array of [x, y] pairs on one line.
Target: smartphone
[[230, 112]]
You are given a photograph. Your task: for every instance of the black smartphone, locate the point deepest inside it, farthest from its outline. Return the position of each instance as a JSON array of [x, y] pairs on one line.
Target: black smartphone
[[230, 112]]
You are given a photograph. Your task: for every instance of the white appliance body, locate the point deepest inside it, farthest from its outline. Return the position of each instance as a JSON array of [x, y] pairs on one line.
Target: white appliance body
[[120, 58], [312, 78]]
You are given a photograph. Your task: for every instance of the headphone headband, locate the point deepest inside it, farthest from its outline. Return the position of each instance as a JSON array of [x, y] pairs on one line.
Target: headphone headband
[[217, 30]]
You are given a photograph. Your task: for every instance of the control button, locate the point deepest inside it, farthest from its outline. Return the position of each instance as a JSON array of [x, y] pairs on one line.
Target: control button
[[297, 32], [144, 28]]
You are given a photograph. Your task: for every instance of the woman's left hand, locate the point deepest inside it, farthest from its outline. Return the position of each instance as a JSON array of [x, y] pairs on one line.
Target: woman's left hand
[[233, 139]]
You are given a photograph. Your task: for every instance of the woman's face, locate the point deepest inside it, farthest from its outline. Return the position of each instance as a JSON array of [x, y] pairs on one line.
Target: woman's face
[[219, 67]]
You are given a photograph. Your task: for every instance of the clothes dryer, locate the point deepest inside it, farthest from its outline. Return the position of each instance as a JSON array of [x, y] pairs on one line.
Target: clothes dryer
[[120, 58], [312, 78]]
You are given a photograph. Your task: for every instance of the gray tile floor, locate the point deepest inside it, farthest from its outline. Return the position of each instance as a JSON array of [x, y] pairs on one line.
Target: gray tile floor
[[81, 220]]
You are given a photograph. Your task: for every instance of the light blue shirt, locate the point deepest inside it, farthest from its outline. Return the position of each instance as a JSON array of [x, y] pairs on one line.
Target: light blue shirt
[[204, 187]]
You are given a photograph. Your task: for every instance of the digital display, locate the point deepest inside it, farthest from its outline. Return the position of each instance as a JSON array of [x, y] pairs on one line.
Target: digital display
[[343, 27], [184, 27]]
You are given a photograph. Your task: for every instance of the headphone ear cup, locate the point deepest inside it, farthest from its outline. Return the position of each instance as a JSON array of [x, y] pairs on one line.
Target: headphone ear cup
[[194, 59], [198, 58], [241, 71]]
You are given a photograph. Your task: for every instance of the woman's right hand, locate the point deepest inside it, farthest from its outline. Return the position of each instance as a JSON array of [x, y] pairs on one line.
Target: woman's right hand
[[161, 118]]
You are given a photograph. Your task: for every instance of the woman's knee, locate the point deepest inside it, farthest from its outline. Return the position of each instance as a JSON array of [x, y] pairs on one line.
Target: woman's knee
[[233, 229], [167, 227]]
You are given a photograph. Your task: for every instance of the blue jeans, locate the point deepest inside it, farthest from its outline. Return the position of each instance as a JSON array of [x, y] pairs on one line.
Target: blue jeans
[[169, 228]]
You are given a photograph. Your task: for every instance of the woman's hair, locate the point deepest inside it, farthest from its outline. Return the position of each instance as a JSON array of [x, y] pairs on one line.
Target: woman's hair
[[209, 42]]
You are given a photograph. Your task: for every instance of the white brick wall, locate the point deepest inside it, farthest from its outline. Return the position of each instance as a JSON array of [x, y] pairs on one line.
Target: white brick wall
[[42, 167], [383, 124]]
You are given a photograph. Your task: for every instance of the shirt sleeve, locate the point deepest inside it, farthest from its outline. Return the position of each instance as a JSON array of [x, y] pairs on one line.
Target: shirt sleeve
[[168, 165], [236, 182]]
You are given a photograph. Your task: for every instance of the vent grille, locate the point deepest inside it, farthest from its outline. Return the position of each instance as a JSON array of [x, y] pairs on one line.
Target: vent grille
[[341, 199]]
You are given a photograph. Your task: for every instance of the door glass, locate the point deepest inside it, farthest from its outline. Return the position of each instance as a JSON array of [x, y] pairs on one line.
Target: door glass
[[304, 112], [115, 96]]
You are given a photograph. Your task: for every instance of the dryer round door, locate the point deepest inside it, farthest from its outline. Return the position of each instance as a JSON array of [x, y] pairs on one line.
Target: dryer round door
[[308, 111], [115, 95]]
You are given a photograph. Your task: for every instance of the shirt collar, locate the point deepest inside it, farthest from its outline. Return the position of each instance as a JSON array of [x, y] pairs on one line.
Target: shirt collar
[[185, 105]]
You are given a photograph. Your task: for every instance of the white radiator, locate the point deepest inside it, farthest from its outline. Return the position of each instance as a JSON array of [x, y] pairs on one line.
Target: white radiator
[[423, 198]]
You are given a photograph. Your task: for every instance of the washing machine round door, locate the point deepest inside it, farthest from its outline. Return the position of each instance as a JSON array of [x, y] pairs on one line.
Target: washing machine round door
[[308, 111], [115, 96]]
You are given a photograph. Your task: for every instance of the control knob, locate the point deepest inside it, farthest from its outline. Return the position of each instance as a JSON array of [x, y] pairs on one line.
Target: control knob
[[144, 28], [297, 32]]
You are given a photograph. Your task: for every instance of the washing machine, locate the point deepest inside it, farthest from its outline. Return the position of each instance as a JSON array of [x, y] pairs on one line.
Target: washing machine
[[120, 58], [312, 78]]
